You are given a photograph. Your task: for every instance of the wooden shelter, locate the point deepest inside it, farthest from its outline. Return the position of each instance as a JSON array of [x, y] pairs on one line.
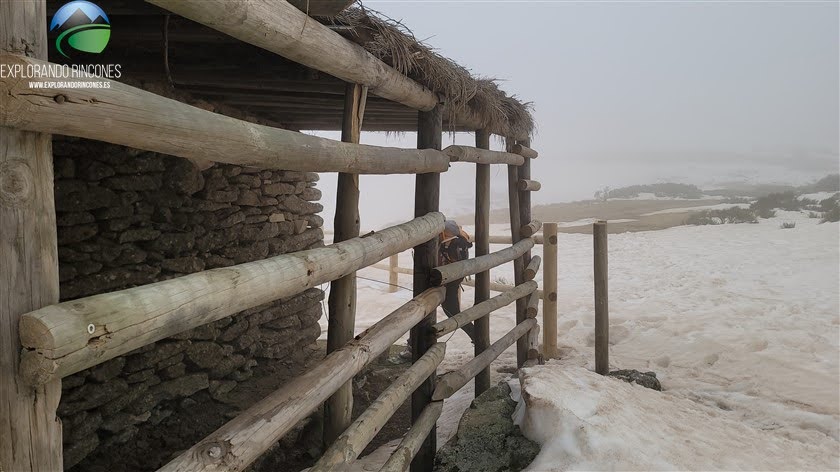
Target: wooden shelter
[[235, 82]]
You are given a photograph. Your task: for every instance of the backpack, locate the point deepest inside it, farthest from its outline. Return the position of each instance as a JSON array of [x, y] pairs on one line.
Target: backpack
[[455, 249]]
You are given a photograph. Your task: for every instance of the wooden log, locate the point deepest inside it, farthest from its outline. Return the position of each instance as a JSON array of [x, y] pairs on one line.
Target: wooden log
[[61, 341], [524, 173], [482, 309], [550, 291], [533, 306], [393, 274], [529, 185], [457, 270], [497, 287], [243, 439], [524, 151], [398, 270], [282, 29], [358, 435], [532, 268], [451, 382], [426, 199], [498, 239], [530, 229], [534, 344], [412, 442], [341, 326], [30, 432], [482, 248], [132, 117], [602, 312], [481, 155], [518, 263]]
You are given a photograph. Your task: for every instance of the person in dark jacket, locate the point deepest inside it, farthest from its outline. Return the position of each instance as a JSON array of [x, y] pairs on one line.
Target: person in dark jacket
[[454, 246]]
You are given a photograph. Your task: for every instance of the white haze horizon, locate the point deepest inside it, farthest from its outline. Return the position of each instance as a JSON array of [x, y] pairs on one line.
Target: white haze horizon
[[628, 93]]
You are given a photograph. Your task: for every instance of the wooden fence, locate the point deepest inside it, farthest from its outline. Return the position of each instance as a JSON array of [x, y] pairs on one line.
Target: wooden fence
[[59, 339]]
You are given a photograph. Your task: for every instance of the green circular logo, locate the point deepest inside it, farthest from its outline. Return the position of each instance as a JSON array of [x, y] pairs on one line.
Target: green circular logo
[[81, 26]]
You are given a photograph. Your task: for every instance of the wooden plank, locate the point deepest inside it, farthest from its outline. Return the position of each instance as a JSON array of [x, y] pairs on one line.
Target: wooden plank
[[451, 382], [482, 248], [458, 270], [532, 268], [602, 311], [132, 117], [550, 288], [68, 337], [481, 155], [341, 326], [481, 310], [529, 185], [358, 435], [30, 432], [523, 150], [426, 199], [412, 443], [243, 439]]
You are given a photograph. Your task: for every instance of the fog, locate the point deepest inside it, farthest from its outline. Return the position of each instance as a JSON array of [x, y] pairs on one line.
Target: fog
[[633, 93]]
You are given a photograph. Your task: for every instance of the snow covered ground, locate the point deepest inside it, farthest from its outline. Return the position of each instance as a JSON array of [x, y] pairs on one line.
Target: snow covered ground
[[741, 320]]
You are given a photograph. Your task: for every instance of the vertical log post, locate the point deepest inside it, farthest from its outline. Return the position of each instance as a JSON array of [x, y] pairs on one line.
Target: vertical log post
[[524, 219], [30, 432], [338, 409], [550, 290], [602, 313], [482, 247], [426, 199], [393, 275], [514, 204]]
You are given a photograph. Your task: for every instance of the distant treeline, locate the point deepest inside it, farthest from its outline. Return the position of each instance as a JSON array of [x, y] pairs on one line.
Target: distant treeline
[[660, 190]]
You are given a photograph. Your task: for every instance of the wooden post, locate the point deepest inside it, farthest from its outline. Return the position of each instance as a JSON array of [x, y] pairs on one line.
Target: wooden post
[[550, 290], [30, 432], [482, 247], [393, 275], [342, 302], [426, 199], [516, 218], [602, 313]]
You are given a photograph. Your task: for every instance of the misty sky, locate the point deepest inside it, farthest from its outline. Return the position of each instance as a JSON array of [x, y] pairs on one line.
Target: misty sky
[[635, 92]]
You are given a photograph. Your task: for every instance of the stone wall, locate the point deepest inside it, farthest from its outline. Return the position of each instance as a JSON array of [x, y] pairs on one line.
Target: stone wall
[[128, 218]]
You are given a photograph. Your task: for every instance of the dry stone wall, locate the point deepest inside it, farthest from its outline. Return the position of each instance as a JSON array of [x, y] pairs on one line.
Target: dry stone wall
[[126, 218]]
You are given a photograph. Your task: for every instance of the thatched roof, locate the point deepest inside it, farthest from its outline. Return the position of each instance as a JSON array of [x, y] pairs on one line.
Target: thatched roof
[[396, 45]]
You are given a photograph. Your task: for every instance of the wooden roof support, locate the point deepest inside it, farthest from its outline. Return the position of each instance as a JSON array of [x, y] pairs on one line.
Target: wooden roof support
[[244, 438], [524, 151], [481, 335], [458, 270], [132, 117], [458, 153], [68, 337]]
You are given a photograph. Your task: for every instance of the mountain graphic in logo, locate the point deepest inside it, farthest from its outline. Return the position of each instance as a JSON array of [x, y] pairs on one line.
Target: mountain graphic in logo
[[82, 26]]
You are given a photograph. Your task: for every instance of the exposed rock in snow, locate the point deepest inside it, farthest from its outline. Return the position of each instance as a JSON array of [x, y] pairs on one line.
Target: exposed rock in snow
[[645, 379]]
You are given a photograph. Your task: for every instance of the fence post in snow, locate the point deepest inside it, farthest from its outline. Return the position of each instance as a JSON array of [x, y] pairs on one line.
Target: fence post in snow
[[550, 290], [602, 314]]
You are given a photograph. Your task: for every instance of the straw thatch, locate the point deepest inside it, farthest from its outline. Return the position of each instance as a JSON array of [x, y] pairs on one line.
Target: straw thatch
[[394, 44]]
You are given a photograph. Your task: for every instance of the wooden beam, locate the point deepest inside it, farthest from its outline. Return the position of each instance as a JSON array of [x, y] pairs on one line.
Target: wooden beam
[[393, 273], [524, 173], [243, 439], [602, 310], [523, 150], [338, 410], [480, 155], [481, 310], [534, 344], [358, 435], [68, 337], [132, 117], [498, 239], [530, 229], [30, 432], [426, 199], [532, 268], [533, 307], [550, 289], [282, 29], [458, 270], [497, 287], [322, 7], [529, 185], [482, 248], [413, 441], [451, 382]]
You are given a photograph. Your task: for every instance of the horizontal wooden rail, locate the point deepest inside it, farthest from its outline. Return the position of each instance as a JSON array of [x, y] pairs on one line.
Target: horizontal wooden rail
[[530, 229], [401, 458], [529, 185], [499, 239], [399, 270], [484, 308], [442, 275], [458, 153], [533, 306], [246, 437], [132, 117], [451, 382], [497, 287], [358, 435], [524, 151], [532, 268], [65, 338]]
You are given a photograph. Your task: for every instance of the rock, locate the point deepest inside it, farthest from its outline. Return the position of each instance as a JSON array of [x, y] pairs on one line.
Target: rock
[[134, 182], [248, 198], [140, 376], [141, 234], [183, 265], [278, 188], [76, 451], [122, 420], [107, 370], [141, 164], [207, 354], [276, 217], [163, 350], [95, 170], [74, 218], [91, 395], [183, 176], [172, 244], [92, 421], [75, 234], [220, 388], [182, 386], [645, 379], [174, 371], [487, 440]]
